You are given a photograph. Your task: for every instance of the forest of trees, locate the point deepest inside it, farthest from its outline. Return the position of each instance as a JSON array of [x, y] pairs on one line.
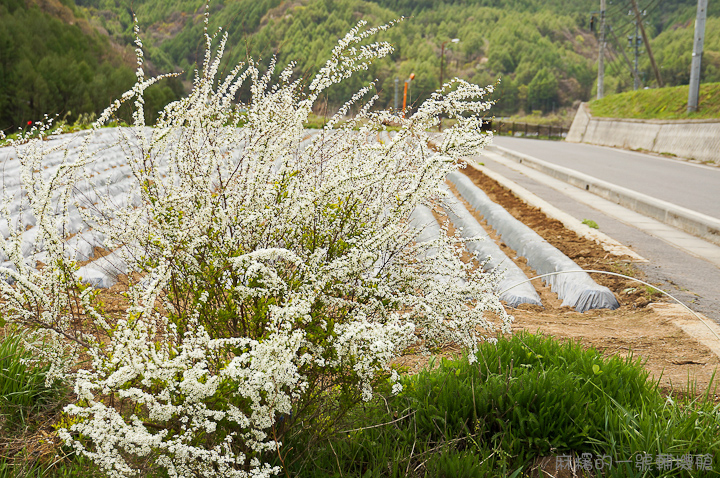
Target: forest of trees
[[543, 52], [52, 61]]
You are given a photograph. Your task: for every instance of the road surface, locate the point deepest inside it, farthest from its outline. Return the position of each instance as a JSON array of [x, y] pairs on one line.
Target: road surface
[[690, 185]]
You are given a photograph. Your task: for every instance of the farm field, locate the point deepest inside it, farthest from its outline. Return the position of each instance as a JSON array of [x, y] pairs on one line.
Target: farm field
[[644, 325], [640, 314], [641, 326]]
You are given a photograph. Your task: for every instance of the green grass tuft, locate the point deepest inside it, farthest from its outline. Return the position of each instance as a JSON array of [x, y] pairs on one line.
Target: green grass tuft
[[22, 384], [526, 397], [590, 223]]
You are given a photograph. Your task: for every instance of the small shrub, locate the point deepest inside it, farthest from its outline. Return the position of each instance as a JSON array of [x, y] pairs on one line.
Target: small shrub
[[274, 278]]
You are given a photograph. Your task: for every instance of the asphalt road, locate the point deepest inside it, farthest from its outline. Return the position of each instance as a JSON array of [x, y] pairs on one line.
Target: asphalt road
[[690, 185], [691, 279]]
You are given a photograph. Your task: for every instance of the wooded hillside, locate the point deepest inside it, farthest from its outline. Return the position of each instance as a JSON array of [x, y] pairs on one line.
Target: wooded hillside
[[70, 57]]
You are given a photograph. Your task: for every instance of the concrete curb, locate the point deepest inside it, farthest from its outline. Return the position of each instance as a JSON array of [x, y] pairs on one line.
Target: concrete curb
[[695, 223]]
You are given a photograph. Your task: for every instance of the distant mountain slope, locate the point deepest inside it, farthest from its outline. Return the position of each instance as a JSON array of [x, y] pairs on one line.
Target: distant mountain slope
[[54, 61], [543, 51], [545, 59]]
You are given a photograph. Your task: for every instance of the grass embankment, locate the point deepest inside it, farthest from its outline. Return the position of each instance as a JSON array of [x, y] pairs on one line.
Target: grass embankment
[[526, 398], [563, 117], [661, 103]]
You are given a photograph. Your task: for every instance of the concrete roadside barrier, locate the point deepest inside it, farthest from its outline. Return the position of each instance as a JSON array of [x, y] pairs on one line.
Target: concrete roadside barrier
[[692, 139]]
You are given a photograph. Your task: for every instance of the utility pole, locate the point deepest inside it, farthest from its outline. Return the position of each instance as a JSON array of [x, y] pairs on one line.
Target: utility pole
[[601, 53], [397, 80], [638, 21], [694, 93], [627, 60], [634, 44], [442, 69], [636, 40], [406, 94]]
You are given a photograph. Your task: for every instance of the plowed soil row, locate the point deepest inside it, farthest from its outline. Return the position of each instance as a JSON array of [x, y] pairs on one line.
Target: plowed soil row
[[644, 326]]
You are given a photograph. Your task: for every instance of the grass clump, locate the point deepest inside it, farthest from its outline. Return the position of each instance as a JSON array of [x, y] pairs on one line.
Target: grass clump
[[590, 223], [22, 384], [661, 103], [28, 407], [532, 393], [528, 397], [71, 467]]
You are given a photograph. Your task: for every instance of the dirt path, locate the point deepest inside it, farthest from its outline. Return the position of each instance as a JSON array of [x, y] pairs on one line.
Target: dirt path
[[677, 347]]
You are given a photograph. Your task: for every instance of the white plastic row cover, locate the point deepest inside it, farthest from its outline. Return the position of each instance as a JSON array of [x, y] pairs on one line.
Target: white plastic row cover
[[491, 256], [576, 289]]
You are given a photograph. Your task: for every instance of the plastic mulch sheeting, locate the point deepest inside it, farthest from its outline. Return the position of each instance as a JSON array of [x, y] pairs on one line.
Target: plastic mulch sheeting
[[103, 273], [491, 256], [576, 289], [423, 221], [428, 230]]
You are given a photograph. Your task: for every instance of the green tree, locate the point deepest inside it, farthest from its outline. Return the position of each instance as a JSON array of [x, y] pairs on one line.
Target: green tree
[[542, 90]]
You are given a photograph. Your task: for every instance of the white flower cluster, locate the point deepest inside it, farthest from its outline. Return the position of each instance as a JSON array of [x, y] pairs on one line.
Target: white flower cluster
[[266, 261]]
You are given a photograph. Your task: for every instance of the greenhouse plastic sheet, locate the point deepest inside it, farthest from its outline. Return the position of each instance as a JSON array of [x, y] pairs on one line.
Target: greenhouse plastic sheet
[[111, 176], [576, 289], [423, 221], [491, 256], [103, 273]]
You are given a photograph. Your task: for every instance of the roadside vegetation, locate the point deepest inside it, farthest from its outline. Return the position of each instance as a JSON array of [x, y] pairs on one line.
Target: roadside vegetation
[[525, 398], [561, 118], [528, 397], [261, 302], [668, 103]]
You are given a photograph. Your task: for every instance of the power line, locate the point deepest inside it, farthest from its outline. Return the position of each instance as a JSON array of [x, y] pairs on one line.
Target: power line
[[647, 43], [633, 70], [629, 22]]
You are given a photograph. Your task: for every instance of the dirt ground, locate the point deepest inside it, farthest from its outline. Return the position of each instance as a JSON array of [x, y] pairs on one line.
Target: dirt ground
[[646, 325]]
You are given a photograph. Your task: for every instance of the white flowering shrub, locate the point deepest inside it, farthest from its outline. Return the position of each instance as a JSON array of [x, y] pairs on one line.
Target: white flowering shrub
[[273, 274]]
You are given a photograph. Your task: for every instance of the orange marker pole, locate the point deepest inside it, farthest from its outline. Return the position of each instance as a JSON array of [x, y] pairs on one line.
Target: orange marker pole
[[404, 99], [412, 77]]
